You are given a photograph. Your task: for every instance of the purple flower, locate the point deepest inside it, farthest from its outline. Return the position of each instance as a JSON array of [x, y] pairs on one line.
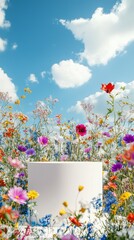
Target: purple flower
[[87, 150], [17, 194], [128, 138], [43, 140], [107, 134], [22, 148], [30, 152], [116, 167], [69, 237]]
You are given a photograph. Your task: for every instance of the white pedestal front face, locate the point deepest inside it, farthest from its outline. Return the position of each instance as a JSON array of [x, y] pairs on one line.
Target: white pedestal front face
[[57, 182]]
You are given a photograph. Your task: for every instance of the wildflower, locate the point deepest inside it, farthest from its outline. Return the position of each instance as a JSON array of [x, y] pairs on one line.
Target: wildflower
[[107, 134], [128, 138], [64, 157], [23, 96], [28, 90], [113, 178], [22, 148], [45, 221], [112, 185], [108, 88], [43, 140], [125, 196], [2, 154], [15, 162], [17, 194], [2, 183], [81, 129], [32, 194], [62, 212], [69, 237], [87, 150], [130, 218], [9, 132], [30, 152], [17, 102], [109, 200], [65, 204], [75, 221], [80, 188], [116, 167]]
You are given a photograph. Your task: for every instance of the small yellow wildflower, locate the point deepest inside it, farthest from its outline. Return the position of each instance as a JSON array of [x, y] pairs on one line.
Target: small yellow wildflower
[[82, 210], [17, 101], [23, 96], [28, 90], [125, 196], [65, 204], [16, 225], [32, 194], [62, 212], [80, 188]]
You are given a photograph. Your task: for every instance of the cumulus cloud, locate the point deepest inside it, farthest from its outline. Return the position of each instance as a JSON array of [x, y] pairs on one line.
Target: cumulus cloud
[[3, 23], [32, 78], [99, 99], [43, 74], [6, 85], [69, 74], [104, 35], [14, 46]]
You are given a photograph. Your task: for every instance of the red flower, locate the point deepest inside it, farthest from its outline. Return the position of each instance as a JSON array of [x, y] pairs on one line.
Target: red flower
[[81, 129], [75, 221], [2, 183], [108, 88], [130, 217]]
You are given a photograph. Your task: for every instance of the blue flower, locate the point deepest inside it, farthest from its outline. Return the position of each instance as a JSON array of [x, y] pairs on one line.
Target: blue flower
[[109, 199], [97, 203], [45, 221]]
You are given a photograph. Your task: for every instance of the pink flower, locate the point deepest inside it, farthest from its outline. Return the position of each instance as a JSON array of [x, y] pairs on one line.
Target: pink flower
[[17, 194], [81, 129], [64, 157], [16, 163], [43, 140]]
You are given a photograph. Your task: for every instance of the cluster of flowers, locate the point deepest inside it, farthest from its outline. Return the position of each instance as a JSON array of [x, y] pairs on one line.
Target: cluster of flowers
[[107, 138]]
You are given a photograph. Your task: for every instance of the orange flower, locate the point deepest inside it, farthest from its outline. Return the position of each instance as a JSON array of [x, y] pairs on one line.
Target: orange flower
[[112, 178], [112, 185], [106, 187], [75, 221], [9, 132], [2, 154], [130, 217]]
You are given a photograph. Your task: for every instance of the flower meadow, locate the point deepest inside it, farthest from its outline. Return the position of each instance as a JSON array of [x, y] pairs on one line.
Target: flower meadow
[[45, 137]]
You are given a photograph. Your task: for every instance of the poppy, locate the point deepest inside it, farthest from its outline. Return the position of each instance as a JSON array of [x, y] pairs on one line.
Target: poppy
[[75, 221], [108, 88]]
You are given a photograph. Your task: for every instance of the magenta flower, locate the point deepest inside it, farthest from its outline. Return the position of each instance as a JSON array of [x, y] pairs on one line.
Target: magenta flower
[[87, 150], [69, 237], [81, 129], [128, 138], [17, 194], [107, 134], [116, 167], [43, 140], [64, 157]]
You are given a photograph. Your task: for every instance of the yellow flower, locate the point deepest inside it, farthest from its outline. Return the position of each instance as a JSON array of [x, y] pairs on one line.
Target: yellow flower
[[17, 101], [80, 188], [16, 225], [65, 204], [62, 212], [82, 210], [32, 194], [23, 96], [28, 90], [125, 196], [109, 141]]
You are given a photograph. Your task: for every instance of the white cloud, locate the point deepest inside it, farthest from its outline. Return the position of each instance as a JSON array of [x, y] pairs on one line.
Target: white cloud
[[14, 46], [68, 74], [32, 78], [43, 74], [104, 35], [98, 100], [6, 85], [3, 44], [3, 22]]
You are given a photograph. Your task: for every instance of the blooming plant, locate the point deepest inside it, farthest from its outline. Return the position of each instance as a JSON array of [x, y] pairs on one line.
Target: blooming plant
[[108, 138]]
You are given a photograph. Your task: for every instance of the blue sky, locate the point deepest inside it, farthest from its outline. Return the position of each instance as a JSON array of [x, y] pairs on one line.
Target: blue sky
[[65, 48]]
